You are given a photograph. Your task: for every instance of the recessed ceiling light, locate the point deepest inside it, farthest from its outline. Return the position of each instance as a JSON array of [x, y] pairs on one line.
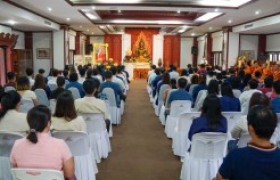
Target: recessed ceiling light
[[87, 30], [207, 16], [210, 28], [181, 31], [81, 26], [91, 16], [178, 11], [119, 11], [216, 10], [229, 21], [192, 34], [11, 22], [49, 9], [92, 33], [93, 7], [102, 27], [257, 12], [68, 19]]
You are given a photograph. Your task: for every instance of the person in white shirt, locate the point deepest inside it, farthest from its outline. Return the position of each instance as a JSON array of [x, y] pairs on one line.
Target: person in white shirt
[[204, 61], [174, 74], [246, 95], [30, 73], [82, 73], [53, 78], [23, 88], [11, 119], [117, 80], [152, 70]]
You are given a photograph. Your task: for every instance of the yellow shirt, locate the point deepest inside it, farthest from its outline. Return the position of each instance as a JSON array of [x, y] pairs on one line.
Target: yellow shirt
[[14, 121], [61, 124], [91, 105]]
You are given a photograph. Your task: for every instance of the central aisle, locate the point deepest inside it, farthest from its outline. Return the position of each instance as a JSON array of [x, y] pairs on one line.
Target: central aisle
[[141, 150]]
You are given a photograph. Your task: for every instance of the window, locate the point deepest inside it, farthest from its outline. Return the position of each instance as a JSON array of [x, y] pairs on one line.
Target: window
[[274, 56], [218, 58]]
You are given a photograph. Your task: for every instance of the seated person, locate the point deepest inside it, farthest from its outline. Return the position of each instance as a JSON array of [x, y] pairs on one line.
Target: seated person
[[60, 81], [75, 84], [42, 72], [275, 102], [39, 150], [11, 76], [82, 73], [268, 82], [113, 69], [23, 88], [90, 104], [10, 118], [173, 73], [53, 77], [229, 103], [30, 73], [211, 118], [241, 128], [201, 86], [260, 159], [41, 84], [117, 89], [65, 116]]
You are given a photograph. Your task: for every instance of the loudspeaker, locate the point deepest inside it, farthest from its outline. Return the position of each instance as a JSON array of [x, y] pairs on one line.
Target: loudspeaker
[[194, 50]]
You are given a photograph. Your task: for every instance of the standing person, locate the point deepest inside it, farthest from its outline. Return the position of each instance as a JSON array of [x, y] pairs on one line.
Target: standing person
[[40, 84], [30, 73], [11, 80], [41, 151], [260, 159]]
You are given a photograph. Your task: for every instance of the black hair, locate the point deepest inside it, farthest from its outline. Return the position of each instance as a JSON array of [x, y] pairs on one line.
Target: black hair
[[226, 89], [235, 82], [165, 78], [41, 71], [258, 74], [82, 72], [23, 83], [54, 72], [219, 76], [212, 110], [60, 81], [113, 69], [211, 73], [65, 106], [119, 69], [173, 83], [108, 75], [184, 72], [213, 87], [89, 86], [89, 73], [157, 71], [276, 86], [29, 71], [268, 82], [253, 84], [9, 101], [37, 118], [65, 73], [182, 83], [259, 99], [73, 77], [153, 66], [11, 75], [95, 72], [263, 120]]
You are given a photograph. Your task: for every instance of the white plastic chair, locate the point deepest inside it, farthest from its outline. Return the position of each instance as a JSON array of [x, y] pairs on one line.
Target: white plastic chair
[[205, 157], [79, 144], [114, 110], [9, 88], [181, 142], [160, 97], [52, 105], [202, 94], [99, 137], [52, 86], [236, 93], [243, 141], [36, 174], [25, 105], [42, 97], [163, 108], [75, 92], [232, 119], [178, 107], [7, 140]]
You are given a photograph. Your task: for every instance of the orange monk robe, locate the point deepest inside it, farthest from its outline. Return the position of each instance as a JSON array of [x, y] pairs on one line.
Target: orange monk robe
[[276, 75], [259, 68], [266, 72], [248, 70]]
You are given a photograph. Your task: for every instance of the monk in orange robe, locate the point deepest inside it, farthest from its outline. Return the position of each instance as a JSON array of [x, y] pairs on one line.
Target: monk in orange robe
[[276, 73], [248, 68], [266, 71]]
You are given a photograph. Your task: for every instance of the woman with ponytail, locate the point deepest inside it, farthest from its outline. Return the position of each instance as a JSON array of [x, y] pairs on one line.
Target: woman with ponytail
[[39, 150], [10, 118], [211, 118]]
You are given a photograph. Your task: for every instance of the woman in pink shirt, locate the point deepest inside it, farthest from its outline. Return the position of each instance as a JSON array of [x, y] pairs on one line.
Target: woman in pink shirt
[[39, 150]]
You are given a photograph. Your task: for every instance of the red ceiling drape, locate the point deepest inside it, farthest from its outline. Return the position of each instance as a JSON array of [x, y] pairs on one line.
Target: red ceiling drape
[[171, 50], [114, 47]]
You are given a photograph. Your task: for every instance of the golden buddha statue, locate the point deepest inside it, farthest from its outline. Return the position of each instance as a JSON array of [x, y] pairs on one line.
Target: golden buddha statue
[[141, 54]]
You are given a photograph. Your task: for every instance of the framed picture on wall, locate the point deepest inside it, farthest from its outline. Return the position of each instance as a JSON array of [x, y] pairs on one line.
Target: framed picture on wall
[[43, 53]]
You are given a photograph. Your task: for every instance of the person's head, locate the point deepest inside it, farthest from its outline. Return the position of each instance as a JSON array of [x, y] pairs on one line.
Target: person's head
[[258, 74], [119, 70], [174, 68], [202, 66], [113, 69], [276, 87], [189, 66], [235, 82], [182, 83], [241, 74], [153, 67], [219, 76], [247, 78], [39, 82], [41, 71], [224, 74], [194, 79], [184, 72], [253, 84], [73, 77], [89, 73], [82, 72], [108, 75], [65, 106], [54, 72], [213, 87], [173, 83], [211, 108], [226, 89], [65, 73], [60, 81], [11, 76], [202, 79], [262, 122], [95, 72], [29, 71], [90, 87], [9, 100], [23, 83], [211, 73], [268, 82], [259, 99], [38, 119], [157, 71], [231, 71], [195, 70], [165, 78]]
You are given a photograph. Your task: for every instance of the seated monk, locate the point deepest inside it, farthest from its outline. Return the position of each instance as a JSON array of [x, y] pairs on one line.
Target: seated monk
[[266, 71], [248, 68], [276, 73]]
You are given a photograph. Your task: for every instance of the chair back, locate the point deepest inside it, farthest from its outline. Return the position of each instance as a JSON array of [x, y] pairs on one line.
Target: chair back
[[162, 90], [52, 86], [95, 122], [25, 105], [9, 88], [75, 92], [243, 141], [78, 142], [7, 140], [179, 107], [110, 95], [52, 105], [42, 97], [36, 174], [201, 94], [208, 145], [232, 119], [236, 93], [185, 121]]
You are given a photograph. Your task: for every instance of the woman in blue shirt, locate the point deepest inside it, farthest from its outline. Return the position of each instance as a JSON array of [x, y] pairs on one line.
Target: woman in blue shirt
[[229, 103], [211, 118], [201, 86]]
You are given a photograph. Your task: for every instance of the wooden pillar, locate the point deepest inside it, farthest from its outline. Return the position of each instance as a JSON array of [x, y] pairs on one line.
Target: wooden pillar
[[88, 48], [195, 55], [209, 55], [77, 42], [28, 39], [262, 45]]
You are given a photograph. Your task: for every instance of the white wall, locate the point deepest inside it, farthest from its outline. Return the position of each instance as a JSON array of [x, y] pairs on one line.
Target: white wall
[[20, 41], [201, 48], [273, 42], [217, 41], [58, 49], [41, 40], [71, 39], [186, 52], [96, 39], [233, 48], [249, 42], [126, 44], [157, 48], [5, 29]]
